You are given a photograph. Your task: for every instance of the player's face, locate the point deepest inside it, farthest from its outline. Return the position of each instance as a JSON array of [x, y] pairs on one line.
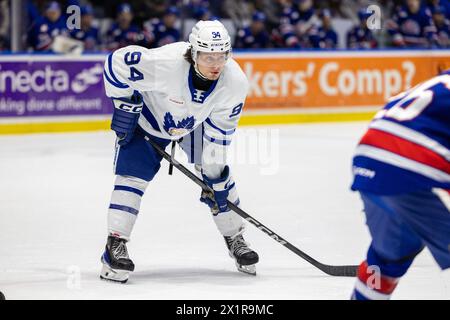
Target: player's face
[[125, 19], [170, 20], [413, 5], [211, 64], [53, 15], [86, 20], [439, 19], [305, 5], [257, 26], [326, 22]]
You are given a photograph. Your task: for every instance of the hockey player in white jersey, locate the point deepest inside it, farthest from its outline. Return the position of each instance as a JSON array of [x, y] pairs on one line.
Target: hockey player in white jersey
[[192, 91]]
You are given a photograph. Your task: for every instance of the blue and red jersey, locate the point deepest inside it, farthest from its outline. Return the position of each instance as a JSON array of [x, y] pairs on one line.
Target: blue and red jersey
[[361, 38], [119, 38], [407, 145]]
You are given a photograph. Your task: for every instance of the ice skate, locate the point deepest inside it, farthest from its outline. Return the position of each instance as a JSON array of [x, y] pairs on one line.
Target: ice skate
[[116, 263], [245, 258]]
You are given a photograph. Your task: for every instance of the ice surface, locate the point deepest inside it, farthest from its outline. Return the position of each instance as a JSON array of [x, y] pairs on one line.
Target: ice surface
[[55, 192]]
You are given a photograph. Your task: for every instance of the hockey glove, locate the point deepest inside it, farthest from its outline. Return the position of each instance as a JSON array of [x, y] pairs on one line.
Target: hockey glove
[[125, 117], [221, 186]]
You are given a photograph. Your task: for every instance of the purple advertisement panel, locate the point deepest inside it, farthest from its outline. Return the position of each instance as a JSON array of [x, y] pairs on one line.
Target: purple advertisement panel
[[52, 86]]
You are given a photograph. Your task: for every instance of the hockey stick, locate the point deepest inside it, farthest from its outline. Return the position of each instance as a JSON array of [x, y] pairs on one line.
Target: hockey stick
[[340, 271]]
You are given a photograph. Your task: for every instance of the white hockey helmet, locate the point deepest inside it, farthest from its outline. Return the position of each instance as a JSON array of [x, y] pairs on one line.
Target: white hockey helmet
[[209, 36]]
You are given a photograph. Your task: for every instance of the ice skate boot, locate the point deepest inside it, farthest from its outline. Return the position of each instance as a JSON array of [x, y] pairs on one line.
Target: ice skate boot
[[244, 257], [116, 263]]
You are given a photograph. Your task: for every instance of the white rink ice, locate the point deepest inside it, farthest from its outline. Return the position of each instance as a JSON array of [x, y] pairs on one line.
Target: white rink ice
[[55, 192]]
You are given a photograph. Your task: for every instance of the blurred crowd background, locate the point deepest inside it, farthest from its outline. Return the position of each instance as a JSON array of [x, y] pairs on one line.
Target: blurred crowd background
[[253, 24]]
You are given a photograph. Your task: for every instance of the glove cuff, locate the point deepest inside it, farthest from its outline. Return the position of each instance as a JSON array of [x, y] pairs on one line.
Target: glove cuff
[[132, 105], [221, 183]]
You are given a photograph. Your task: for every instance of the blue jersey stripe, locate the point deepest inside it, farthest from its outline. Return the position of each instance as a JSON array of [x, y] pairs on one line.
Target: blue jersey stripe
[[124, 208], [150, 118], [113, 83], [225, 132], [111, 72], [129, 189], [217, 141], [192, 147]]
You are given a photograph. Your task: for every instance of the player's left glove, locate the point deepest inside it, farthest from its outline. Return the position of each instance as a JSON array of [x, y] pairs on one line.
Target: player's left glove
[[222, 187], [125, 117]]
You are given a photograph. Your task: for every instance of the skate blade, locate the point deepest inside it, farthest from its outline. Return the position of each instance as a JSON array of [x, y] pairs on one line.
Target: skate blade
[[250, 269], [109, 274]]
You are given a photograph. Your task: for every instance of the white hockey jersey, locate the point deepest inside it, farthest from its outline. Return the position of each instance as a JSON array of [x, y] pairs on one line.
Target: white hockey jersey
[[173, 108]]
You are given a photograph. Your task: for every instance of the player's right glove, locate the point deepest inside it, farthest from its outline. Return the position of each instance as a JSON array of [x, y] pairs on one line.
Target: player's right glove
[[222, 187], [125, 117]]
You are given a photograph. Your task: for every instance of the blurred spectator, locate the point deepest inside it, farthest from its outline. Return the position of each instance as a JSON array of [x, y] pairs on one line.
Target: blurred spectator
[[255, 35], [348, 9], [298, 23], [142, 9], [360, 36], [442, 26], [412, 26], [87, 33], [124, 32], [443, 5], [204, 14], [46, 29], [148, 9], [259, 23], [165, 31], [272, 10], [324, 37], [239, 11], [196, 9], [33, 12]]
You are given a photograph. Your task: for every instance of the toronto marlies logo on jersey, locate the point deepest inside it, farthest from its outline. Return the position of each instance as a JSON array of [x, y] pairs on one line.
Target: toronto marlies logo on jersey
[[181, 128], [199, 95]]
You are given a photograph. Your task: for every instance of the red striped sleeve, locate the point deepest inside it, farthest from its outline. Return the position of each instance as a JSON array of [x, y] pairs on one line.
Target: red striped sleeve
[[405, 148]]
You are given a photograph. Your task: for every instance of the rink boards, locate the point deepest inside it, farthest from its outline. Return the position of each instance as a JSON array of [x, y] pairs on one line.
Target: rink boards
[[53, 93]]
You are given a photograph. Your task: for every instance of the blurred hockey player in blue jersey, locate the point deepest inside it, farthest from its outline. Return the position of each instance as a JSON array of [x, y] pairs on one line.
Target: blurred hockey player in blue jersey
[[53, 24], [87, 33], [297, 22], [442, 4], [324, 37], [192, 91], [164, 31], [401, 169], [124, 32], [255, 36], [412, 26], [360, 36], [442, 26]]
